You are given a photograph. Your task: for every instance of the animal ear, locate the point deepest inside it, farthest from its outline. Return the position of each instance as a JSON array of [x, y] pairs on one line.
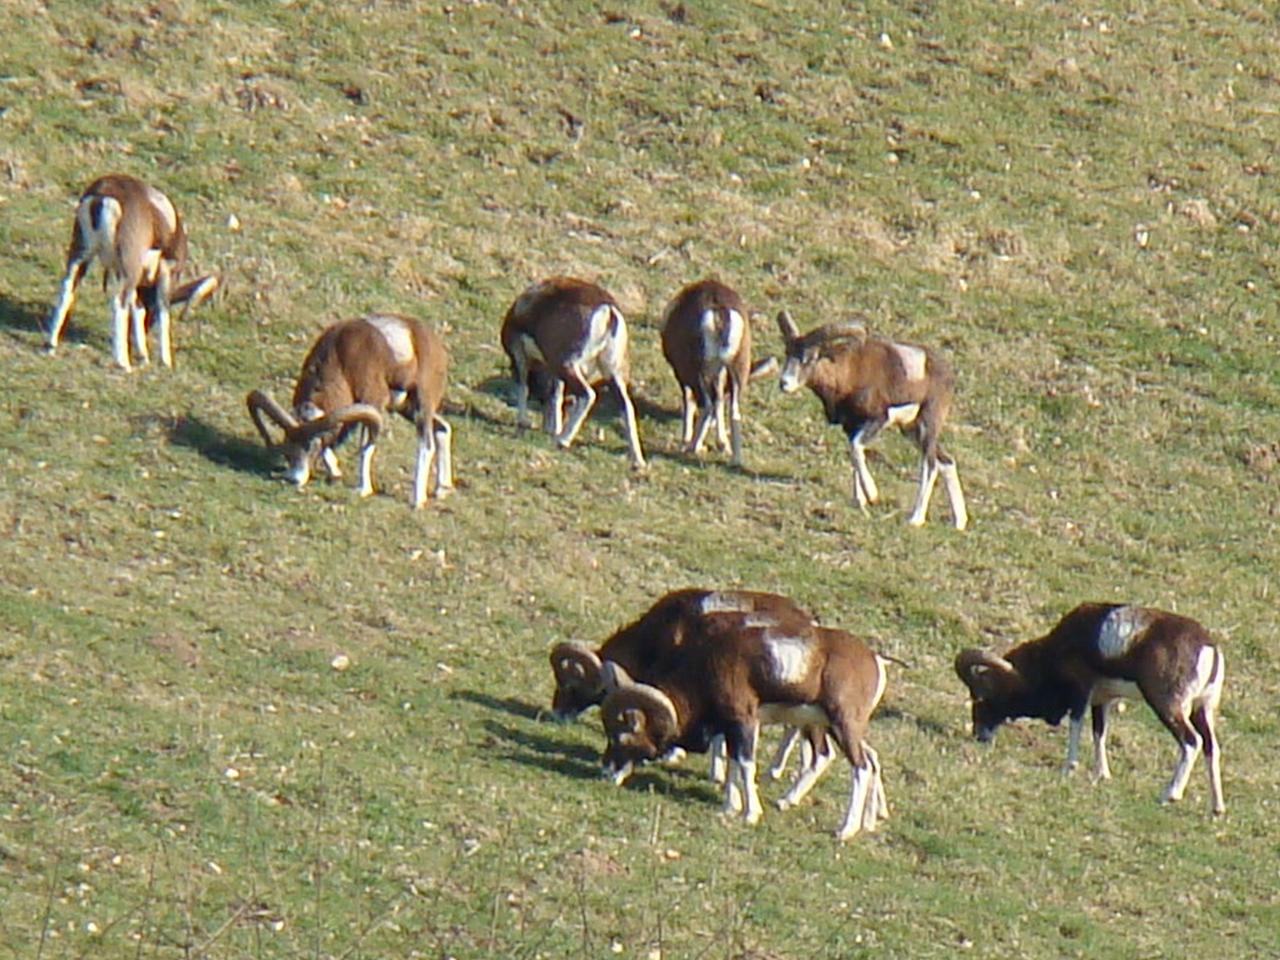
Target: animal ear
[[633, 719], [787, 326], [614, 677]]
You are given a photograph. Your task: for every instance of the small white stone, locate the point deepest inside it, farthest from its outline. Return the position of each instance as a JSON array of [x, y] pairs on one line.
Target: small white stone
[[340, 662]]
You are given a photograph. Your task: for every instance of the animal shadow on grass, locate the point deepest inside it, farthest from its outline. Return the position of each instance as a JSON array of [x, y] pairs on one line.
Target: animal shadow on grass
[[517, 708], [28, 317], [926, 725], [607, 406], [223, 449], [542, 748]]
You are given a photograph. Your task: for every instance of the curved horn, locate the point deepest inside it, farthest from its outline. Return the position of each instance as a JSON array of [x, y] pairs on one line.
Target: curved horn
[[573, 657], [973, 662], [614, 676], [788, 327], [763, 368], [835, 332], [365, 413], [259, 403], [664, 721], [195, 292]]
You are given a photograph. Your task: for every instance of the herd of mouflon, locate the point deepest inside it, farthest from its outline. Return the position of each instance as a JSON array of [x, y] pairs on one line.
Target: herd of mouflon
[[701, 670]]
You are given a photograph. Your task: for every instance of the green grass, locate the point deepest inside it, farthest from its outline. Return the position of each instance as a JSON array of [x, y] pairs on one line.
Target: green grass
[[185, 772]]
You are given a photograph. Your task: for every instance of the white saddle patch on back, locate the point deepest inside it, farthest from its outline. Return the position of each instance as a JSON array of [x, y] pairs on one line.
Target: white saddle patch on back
[[904, 414], [721, 344], [1119, 629], [788, 657], [725, 602], [913, 360], [397, 334], [759, 618], [163, 207]]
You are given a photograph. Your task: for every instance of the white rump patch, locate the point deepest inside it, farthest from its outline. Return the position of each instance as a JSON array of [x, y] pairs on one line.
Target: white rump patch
[[913, 360], [397, 334], [788, 657], [721, 344], [725, 602], [100, 235], [163, 207], [1119, 629], [1204, 681], [599, 333]]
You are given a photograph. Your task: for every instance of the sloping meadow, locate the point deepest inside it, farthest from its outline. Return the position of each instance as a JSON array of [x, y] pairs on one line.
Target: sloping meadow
[[244, 720]]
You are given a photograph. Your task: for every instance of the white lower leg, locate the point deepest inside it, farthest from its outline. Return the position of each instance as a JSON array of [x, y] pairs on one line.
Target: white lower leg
[[553, 409], [633, 432], [366, 469], [1101, 769], [1182, 772], [688, 408], [721, 427], [443, 476], [162, 331], [66, 300], [859, 787], [705, 416], [928, 477], [719, 760], [120, 332], [864, 487], [732, 805], [578, 411], [877, 806], [426, 461], [751, 809], [955, 495], [809, 776], [735, 431], [138, 323], [780, 757], [330, 461]]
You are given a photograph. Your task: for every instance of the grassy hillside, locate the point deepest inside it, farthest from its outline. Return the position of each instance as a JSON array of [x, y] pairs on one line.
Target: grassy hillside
[[1077, 204]]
